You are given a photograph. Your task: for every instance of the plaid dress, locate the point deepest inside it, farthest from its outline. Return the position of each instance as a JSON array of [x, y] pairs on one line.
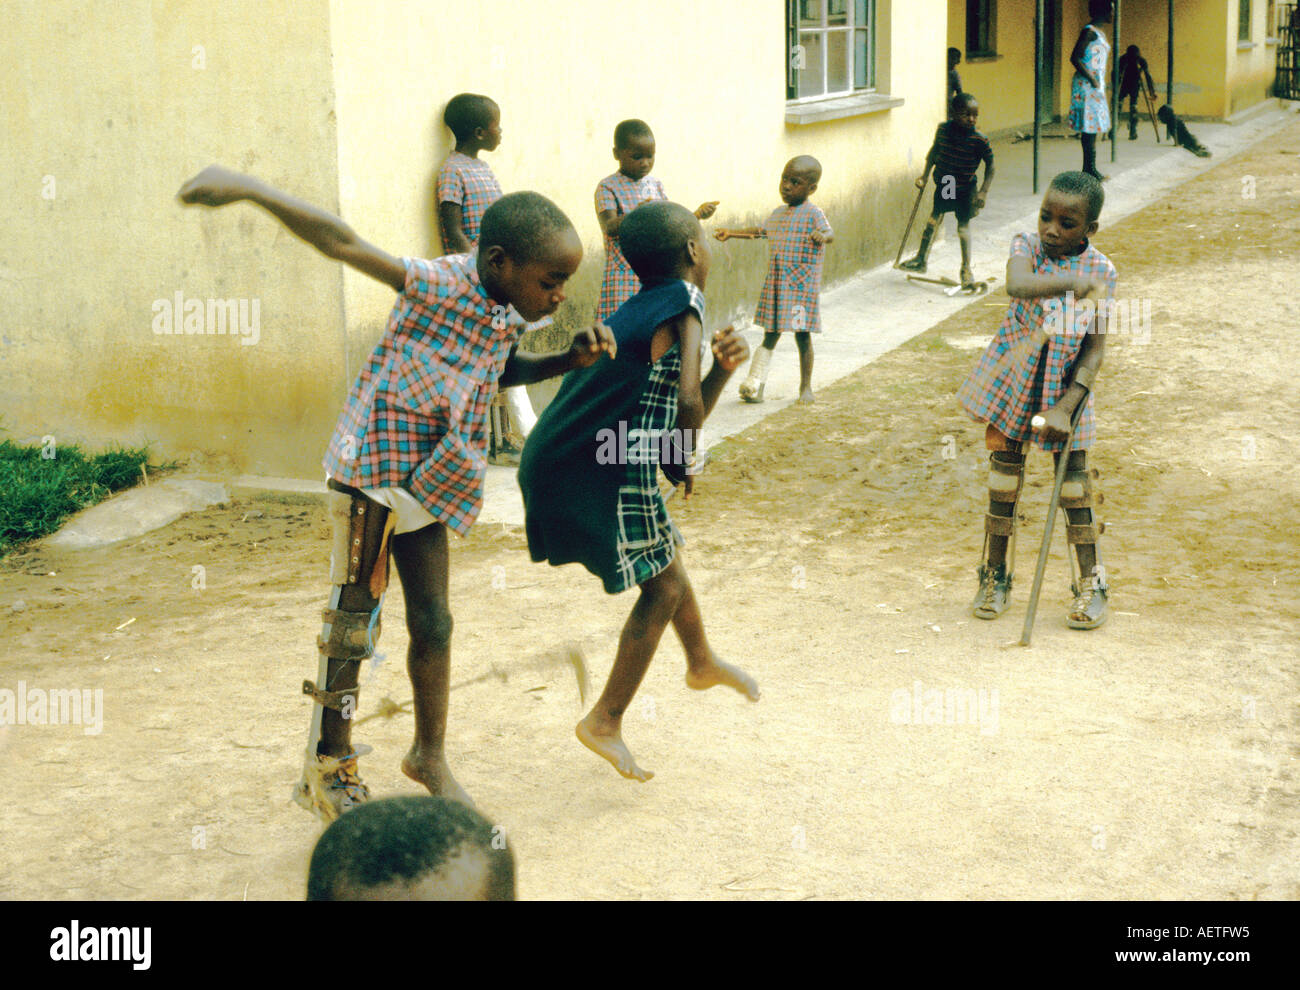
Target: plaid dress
[[1001, 390], [1089, 111], [417, 416], [622, 195], [792, 289], [588, 477], [468, 182]]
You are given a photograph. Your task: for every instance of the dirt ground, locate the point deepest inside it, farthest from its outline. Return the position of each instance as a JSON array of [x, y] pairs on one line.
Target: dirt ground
[[833, 550]]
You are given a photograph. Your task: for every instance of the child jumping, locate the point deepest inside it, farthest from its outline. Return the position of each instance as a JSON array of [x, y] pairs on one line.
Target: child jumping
[[618, 195], [1044, 359], [466, 188], [589, 470], [797, 236], [406, 461], [955, 155]]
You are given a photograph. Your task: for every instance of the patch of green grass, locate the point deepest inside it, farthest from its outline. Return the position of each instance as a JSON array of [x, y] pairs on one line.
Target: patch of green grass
[[37, 493]]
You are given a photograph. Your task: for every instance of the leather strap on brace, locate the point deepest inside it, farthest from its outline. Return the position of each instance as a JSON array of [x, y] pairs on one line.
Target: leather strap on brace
[[330, 699], [350, 636], [999, 525]]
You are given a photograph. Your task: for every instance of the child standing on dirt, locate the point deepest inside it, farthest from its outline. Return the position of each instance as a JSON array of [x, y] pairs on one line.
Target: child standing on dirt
[[589, 470], [797, 236], [466, 188], [406, 462], [1089, 110], [618, 195], [955, 155], [1044, 359]]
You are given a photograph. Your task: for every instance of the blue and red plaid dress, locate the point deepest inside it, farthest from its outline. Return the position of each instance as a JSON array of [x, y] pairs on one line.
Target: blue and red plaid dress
[[622, 195], [468, 182], [792, 290], [1000, 391], [417, 416]]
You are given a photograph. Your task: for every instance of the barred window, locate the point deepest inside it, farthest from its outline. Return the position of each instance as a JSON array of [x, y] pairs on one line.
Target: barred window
[[981, 28]]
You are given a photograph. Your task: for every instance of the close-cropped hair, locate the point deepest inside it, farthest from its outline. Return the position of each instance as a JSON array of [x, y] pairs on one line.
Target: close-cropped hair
[[522, 224], [1082, 184], [467, 112], [653, 237]]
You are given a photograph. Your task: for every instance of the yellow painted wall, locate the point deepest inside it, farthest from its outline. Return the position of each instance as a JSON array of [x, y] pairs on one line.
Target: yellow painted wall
[[113, 104], [340, 102], [1004, 85], [1250, 70], [1200, 30]]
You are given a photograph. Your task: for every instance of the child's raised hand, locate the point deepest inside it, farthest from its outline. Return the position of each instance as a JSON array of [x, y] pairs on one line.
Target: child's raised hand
[[589, 344], [214, 186], [721, 234], [707, 210], [1055, 424], [730, 350]]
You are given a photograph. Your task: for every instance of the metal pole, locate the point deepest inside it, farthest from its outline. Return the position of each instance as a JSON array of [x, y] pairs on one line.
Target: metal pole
[[1038, 82], [1114, 82], [1169, 61]]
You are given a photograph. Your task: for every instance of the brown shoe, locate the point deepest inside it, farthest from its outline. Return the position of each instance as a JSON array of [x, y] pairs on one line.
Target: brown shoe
[[994, 594]]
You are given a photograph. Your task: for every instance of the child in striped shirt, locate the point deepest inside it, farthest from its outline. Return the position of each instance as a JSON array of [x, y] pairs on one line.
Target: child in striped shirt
[[797, 235], [955, 155], [407, 458], [1044, 359], [618, 195]]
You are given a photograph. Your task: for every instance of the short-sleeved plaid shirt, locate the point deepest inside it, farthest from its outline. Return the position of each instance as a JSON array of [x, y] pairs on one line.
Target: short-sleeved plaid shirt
[[470, 183], [792, 289], [622, 195], [1000, 390], [417, 416]]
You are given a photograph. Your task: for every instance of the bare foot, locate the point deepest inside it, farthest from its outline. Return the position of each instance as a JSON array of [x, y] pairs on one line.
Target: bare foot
[[433, 773], [716, 672], [611, 747], [806, 396]]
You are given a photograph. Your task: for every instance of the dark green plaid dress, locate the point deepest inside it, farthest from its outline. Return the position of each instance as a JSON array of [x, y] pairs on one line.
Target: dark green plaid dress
[[582, 505]]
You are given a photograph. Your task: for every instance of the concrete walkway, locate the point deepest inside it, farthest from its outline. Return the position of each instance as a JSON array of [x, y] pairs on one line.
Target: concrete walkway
[[877, 310]]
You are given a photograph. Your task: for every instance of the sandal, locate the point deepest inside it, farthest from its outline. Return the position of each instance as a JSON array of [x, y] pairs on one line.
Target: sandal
[[994, 593], [1091, 603], [331, 786]]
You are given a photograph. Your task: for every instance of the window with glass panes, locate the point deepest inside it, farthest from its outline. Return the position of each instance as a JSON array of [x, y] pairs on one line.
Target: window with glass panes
[[830, 47], [1243, 20]]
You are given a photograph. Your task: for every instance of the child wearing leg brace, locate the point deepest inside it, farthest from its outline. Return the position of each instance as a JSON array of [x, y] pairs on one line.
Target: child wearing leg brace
[[407, 459], [1044, 358], [954, 156], [797, 235]]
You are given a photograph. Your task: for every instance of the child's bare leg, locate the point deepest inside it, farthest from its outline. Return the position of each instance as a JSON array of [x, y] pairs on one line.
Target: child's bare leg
[[421, 558], [703, 668], [803, 340], [963, 236], [601, 730]]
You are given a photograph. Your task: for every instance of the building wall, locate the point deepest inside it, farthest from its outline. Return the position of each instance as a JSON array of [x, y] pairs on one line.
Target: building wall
[[1004, 85], [1252, 66], [340, 103], [1199, 50], [107, 109]]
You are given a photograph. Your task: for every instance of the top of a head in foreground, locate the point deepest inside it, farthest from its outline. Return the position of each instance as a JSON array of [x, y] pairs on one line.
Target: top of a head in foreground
[[1083, 185], [653, 239], [411, 848], [466, 112], [523, 224]]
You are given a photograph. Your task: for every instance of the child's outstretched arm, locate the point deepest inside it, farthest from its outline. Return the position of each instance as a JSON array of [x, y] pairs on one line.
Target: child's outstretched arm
[[217, 186], [1024, 283], [524, 368]]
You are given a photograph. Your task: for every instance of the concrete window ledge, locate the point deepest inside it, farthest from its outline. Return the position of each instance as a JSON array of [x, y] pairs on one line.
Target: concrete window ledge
[[1243, 45], [839, 106]]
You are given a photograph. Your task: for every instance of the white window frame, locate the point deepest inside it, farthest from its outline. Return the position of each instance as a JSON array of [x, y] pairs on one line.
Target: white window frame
[[849, 28]]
